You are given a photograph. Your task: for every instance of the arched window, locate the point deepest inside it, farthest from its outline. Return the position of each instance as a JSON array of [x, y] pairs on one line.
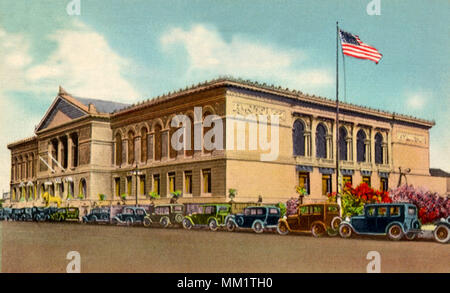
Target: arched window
[[321, 141], [118, 149], [172, 151], [144, 144], [298, 138], [131, 147], [158, 142], [83, 188], [205, 130], [361, 146], [378, 148], [343, 144]]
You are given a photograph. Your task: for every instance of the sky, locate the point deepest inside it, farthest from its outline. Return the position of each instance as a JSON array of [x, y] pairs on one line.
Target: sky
[[131, 50]]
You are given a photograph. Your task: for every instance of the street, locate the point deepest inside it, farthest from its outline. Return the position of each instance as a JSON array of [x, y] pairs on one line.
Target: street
[[43, 247]]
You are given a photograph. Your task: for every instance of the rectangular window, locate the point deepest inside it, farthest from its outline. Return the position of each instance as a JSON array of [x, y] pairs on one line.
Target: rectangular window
[[117, 187], [156, 184], [188, 182], [129, 184], [383, 184], [366, 179], [346, 179], [303, 181], [326, 184], [171, 180], [142, 185], [206, 174]]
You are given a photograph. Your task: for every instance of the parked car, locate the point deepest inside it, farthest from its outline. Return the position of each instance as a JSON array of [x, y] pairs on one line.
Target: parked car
[[317, 218], [210, 215], [16, 214], [65, 214], [441, 232], [5, 214], [165, 215], [395, 220], [130, 216], [41, 214], [257, 218], [98, 215]]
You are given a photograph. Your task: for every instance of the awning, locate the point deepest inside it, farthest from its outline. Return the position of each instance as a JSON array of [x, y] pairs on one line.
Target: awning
[[347, 172], [68, 179], [366, 172], [303, 168], [30, 183], [383, 174], [326, 171]]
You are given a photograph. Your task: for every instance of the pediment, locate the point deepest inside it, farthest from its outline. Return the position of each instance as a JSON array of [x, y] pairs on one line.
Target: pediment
[[60, 113]]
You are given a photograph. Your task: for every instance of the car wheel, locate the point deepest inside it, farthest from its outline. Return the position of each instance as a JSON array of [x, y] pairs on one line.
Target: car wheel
[[129, 222], [335, 223], [147, 222], [395, 232], [318, 230], [410, 236], [258, 227], [231, 226], [187, 224], [442, 233], [164, 222], [213, 225], [345, 231], [282, 229]]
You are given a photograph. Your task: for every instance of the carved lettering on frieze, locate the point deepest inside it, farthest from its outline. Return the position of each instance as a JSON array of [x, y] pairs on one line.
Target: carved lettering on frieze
[[411, 138], [249, 109]]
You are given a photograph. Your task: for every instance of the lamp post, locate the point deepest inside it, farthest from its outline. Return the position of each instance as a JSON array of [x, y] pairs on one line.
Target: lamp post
[[136, 173]]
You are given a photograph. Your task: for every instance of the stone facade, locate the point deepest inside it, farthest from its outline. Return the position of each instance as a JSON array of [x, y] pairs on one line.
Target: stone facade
[[84, 148]]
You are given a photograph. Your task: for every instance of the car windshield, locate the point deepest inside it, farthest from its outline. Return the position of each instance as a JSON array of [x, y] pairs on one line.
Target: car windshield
[[247, 212], [411, 211]]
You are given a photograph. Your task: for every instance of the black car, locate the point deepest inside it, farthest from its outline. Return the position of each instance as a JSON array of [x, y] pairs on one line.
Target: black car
[[98, 215], [131, 216], [5, 214], [41, 214]]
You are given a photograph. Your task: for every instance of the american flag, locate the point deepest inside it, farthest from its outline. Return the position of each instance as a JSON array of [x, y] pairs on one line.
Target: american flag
[[353, 46]]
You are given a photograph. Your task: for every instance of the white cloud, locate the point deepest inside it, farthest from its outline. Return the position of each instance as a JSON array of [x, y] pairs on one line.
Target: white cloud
[[209, 54], [417, 100], [83, 63]]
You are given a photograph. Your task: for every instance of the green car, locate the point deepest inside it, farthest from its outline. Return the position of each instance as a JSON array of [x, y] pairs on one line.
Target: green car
[[65, 214], [165, 215], [210, 215]]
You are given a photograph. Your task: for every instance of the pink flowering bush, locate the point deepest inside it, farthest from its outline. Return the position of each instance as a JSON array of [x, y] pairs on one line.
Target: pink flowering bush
[[292, 206], [431, 206]]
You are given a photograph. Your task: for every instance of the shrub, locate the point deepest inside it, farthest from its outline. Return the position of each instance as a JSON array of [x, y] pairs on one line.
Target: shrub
[[354, 199], [102, 197], [431, 206], [153, 195], [282, 208]]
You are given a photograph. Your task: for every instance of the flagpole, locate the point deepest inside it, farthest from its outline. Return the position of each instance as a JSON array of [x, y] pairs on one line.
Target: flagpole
[[338, 199]]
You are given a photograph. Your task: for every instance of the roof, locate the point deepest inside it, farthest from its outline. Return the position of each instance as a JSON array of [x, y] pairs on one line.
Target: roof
[[438, 173], [275, 90], [102, 106]]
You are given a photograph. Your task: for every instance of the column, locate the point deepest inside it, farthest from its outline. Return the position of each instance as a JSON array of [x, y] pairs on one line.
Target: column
[[69, 151], [60, 154], [353, 146], [307, 135], [372, 146], [313, 135]]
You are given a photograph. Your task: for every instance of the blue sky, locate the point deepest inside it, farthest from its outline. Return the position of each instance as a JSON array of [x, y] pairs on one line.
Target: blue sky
[[131, 50]]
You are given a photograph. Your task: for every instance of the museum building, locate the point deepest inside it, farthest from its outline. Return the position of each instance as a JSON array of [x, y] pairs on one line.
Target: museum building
[[86, 151]]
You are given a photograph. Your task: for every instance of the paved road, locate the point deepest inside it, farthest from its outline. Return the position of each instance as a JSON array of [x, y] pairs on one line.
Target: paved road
[[42, 247]]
